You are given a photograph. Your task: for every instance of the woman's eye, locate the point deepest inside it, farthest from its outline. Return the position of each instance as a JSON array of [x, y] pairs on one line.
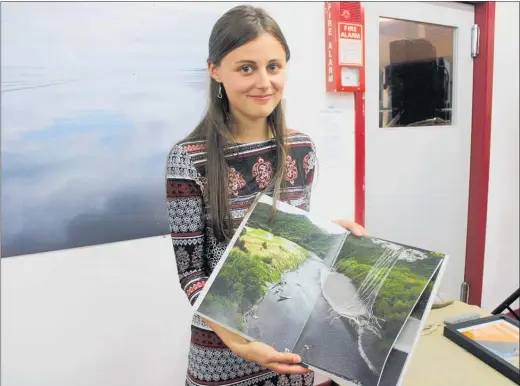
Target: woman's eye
[[246, 69], [273, 67]]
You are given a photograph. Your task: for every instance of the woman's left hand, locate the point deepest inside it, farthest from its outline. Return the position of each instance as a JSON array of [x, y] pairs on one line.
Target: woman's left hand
[[353, 227]]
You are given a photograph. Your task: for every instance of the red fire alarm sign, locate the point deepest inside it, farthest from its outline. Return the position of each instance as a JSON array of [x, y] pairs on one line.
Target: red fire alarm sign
[[344, 46]]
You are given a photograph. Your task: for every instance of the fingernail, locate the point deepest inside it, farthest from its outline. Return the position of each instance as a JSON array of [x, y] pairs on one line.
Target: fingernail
[[297, 359]]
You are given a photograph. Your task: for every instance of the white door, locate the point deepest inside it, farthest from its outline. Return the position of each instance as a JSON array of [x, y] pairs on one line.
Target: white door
[[419, 74]]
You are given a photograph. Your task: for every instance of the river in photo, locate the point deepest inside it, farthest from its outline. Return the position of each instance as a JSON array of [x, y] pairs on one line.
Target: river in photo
[[292, 301], [331, 344]]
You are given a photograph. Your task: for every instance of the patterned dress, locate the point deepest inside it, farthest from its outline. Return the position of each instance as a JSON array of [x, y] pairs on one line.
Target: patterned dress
[[197, 251]]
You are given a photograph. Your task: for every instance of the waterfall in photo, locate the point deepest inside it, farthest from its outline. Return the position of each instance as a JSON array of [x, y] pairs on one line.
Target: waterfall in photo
[[357, 304], [358, 309]]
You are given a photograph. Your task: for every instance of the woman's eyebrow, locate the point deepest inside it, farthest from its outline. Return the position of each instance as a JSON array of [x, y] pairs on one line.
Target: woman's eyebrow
[[248, 61]]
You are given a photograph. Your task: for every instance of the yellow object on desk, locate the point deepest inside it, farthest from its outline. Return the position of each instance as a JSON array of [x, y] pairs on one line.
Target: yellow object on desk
[[437, 361]]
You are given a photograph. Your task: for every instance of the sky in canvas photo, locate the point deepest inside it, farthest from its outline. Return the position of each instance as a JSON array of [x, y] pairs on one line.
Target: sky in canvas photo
[[93, 97]]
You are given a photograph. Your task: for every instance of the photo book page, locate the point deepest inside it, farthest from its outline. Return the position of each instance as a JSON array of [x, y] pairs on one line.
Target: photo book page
[[300, 283]]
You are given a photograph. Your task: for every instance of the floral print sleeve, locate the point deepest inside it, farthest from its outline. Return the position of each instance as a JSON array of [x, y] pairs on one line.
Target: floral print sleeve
[[309, 163], [186, 221], [309, 168]]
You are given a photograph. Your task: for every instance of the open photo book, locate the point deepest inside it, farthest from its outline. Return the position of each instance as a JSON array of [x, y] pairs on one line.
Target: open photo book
[[351, 307]]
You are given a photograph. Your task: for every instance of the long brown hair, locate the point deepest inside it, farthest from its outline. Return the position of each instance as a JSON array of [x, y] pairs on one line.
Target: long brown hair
[[235, 28]]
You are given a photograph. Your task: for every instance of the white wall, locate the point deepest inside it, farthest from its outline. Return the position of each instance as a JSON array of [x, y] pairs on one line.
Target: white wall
[[502, 255], [104, 315]]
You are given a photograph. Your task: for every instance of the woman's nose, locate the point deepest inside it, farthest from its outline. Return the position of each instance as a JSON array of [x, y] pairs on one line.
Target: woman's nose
[[263, 79]]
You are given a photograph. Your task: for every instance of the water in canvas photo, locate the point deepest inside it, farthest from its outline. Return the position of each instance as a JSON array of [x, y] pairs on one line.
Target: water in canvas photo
[[271, 278]]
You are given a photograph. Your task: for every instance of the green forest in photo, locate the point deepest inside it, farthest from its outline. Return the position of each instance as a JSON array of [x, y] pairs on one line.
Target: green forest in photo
[[401, 290], [294, 227], [257, 259], [265, 250]]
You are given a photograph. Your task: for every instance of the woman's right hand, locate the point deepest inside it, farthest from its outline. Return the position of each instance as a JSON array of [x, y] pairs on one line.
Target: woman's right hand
[[268, 357], [258, 352]]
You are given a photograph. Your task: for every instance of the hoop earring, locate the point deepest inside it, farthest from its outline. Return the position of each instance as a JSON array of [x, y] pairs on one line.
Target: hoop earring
[[219, 95]]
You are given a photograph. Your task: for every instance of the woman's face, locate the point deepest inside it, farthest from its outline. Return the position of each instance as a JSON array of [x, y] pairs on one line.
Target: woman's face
[[253, 77]]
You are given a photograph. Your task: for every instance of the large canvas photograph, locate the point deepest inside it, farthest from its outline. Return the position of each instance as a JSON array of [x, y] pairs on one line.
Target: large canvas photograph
[[93, 97]]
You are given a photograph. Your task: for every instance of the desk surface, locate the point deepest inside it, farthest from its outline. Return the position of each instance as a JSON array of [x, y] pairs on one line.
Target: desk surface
[[438, 361]]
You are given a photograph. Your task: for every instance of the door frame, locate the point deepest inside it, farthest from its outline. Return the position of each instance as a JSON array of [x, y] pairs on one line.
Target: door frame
[[479, 156]]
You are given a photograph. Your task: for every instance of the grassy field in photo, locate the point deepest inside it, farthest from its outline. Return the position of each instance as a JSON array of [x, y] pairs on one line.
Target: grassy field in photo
[[257, 260], [295, 227]]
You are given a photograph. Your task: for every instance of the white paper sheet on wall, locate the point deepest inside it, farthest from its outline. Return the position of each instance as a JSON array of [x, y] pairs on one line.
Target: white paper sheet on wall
[[334, 139]]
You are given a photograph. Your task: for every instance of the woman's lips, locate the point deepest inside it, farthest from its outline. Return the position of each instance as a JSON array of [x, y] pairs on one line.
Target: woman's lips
[[261, 98]]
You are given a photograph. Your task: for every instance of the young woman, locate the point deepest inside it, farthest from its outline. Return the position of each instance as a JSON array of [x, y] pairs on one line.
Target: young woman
[[240, 148]]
